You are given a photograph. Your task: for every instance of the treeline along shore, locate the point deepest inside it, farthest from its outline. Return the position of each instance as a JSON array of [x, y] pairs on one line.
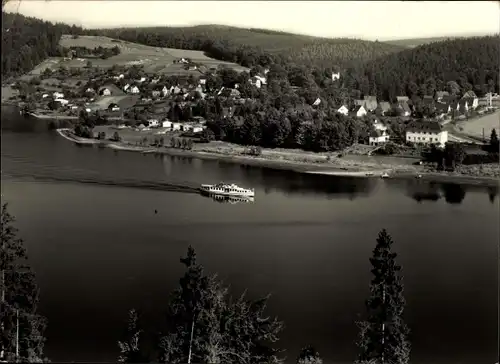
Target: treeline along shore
[[294, 160]]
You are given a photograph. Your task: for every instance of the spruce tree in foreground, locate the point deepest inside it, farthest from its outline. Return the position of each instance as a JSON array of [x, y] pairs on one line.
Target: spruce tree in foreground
[[21, 328], [309, 355], [205, 326], [383, 335], [130, 348]]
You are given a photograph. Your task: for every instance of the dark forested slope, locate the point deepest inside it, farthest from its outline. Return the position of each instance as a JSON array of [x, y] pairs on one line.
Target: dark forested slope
[[471, 63], [26, 42], [250, 47]]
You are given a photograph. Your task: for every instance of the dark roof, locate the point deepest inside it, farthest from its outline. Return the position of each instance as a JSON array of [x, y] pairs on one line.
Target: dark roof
[[376, 133], [442, 107], [441, 94], [424, 126], [469, 100], [356, 108], [448, 99], [384, 106], [115, 91], [469, 94], [428, 100], [404, 105]]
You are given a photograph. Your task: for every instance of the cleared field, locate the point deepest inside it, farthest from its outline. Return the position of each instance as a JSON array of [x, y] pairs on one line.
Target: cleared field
[[8, 92], [475, 127], [154, 59]]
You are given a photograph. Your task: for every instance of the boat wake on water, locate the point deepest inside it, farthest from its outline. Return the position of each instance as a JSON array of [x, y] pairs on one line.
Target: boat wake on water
[[169, 187]]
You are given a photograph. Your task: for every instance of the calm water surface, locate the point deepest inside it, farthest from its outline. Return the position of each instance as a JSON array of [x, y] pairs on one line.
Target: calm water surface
[[99, 249]]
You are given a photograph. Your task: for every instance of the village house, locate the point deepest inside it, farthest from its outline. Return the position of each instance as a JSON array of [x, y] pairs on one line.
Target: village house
[[164, 91], [343, 110], [463, 106], [378, 137], [448, 99], [119, 77], [258, 81], [370, 103], [176, 126], [90, 90], [155, 93], [359, 111], [335, 76], [403, 108], [442, 110], [45, 96], [316, 102], [192, 67], [63, 102], [377, 125], [134, 90], [202, 81], [58, 95], [400, 99], [426, 132], [126, 87], [428, 101], [113, 107], [472, 99], [153, 123], [359, 102], [104, 91], [141, 80], [166, 124]]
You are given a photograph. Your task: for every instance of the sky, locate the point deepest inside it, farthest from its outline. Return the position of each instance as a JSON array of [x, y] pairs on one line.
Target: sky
[[382, 20]]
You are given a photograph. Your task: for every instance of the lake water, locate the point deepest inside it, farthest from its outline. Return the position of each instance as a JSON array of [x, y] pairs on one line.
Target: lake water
[[99, 249]]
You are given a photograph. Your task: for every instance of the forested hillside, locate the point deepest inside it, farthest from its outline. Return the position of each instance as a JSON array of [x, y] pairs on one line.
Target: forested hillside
[[250, 47], [457, 65], [26, 42]]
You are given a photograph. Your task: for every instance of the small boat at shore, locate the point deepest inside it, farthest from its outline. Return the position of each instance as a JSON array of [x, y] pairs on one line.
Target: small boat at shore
[[385, 175], [225, 189]]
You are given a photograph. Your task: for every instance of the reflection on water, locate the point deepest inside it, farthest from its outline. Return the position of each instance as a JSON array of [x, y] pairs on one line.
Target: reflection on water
[[228, 199], [492, 193], [311, 254], [452, 193]]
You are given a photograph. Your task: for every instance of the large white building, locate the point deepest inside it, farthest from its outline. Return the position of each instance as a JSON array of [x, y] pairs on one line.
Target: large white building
[[426, 132]]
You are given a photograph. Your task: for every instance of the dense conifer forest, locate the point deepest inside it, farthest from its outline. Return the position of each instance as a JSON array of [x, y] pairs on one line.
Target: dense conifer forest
[[368, 68], [27, 41]]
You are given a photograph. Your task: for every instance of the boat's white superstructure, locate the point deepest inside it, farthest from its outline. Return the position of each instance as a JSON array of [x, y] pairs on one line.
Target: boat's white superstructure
[[225, 189]]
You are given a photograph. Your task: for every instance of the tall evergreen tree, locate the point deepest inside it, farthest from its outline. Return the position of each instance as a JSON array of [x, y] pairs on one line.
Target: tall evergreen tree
[[222, 331], [21, 327], [383, 335], [130, 346], [183, 342]]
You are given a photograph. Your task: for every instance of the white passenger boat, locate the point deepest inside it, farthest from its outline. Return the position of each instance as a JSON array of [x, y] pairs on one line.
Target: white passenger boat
[[224, 189]]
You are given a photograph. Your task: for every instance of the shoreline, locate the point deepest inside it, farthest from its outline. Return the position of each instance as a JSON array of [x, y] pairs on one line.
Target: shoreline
[[364, 171]]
